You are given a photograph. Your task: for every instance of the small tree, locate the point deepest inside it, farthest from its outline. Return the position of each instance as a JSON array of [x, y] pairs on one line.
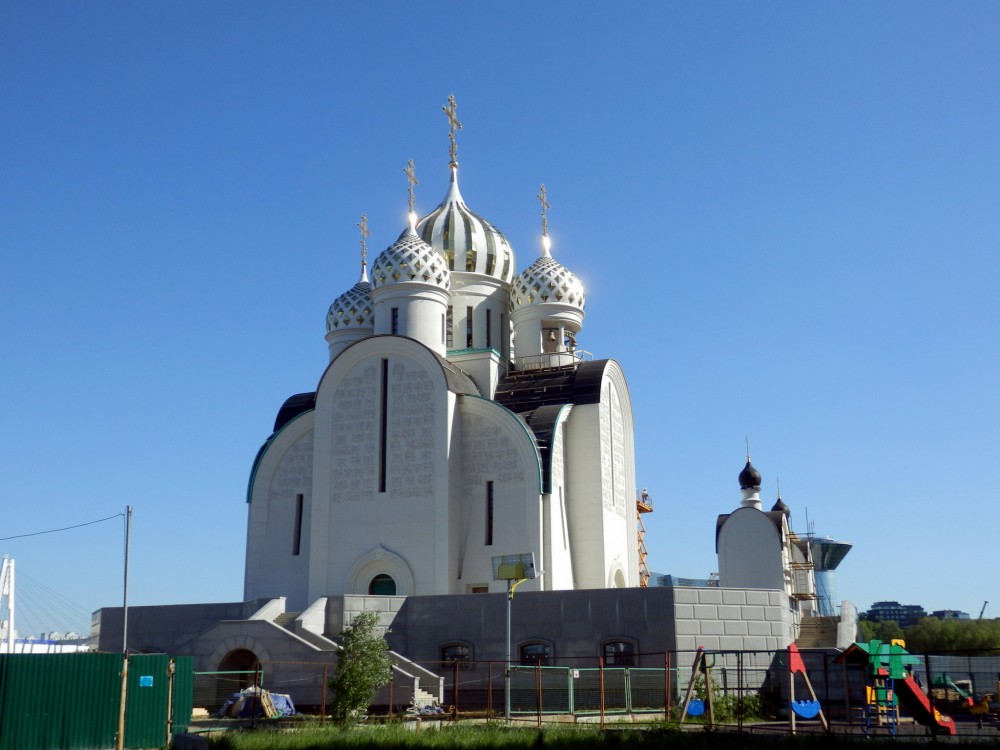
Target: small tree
[[363, 667]]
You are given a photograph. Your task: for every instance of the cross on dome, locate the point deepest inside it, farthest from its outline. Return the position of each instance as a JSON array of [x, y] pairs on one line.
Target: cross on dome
[[453, 125], [365, 234], [543, 199], [411, 177]]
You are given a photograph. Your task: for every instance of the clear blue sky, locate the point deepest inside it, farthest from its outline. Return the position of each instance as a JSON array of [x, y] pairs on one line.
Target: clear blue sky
[[787, 216]]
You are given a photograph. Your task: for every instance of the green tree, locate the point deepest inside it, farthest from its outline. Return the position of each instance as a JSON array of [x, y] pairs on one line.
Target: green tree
[[880, 631], [363, 667], [932, 635]]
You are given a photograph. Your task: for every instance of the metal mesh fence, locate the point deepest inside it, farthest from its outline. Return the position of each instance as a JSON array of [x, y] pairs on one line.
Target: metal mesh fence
[[213, 689], [583, 687]]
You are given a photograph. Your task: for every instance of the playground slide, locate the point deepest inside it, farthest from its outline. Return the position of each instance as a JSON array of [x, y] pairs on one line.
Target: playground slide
[[919, 706]]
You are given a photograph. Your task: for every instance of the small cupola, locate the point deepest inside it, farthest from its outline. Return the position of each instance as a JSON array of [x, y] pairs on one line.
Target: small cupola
[[351, 317], [410, 284], [750, 486], [546, 307]]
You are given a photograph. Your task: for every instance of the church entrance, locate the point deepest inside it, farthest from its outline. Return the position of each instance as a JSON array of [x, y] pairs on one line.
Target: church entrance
[[242, 665]]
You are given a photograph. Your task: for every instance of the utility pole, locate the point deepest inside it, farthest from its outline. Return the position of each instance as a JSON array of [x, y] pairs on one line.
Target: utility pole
[[120, 742]]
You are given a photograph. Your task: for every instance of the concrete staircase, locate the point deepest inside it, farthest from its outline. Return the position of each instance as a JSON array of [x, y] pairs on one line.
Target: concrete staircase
[[817, 632], [413, 684], [286, 620]]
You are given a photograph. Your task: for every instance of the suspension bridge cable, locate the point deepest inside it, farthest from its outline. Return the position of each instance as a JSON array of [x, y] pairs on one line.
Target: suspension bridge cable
[[53, 595]]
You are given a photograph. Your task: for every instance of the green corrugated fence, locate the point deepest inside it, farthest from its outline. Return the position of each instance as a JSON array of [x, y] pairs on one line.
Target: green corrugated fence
[[71, 701]]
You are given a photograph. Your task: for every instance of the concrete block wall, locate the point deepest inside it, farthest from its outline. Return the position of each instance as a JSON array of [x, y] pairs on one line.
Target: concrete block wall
[[341, 611], [721, 619]]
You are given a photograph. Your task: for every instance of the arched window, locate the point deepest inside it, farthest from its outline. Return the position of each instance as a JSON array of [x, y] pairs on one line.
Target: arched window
[[382, 585], [618, 653], [536, 653], [457, 652]]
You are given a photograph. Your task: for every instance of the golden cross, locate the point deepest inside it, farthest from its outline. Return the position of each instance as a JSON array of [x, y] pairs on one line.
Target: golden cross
[[545, 207], [365, 234], [411, 177], [454, 125]]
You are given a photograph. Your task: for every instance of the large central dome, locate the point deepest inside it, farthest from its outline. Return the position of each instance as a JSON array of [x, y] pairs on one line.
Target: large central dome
[[467, 241]]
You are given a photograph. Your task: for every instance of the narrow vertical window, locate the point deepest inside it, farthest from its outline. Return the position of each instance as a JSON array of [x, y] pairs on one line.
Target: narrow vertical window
[[489, 514], [562, 517], [442, 330], [383, 421], [297, 534], [489, 321], [395, 321], [504, 336], [468, 328], [449, 324]]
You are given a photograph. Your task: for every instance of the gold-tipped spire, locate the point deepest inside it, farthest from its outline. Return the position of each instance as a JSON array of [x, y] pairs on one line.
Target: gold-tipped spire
[[453, 125], [411, 177], [365, 234]]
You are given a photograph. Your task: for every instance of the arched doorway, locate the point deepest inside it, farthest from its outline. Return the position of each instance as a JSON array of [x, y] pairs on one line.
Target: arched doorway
[[238, 671]]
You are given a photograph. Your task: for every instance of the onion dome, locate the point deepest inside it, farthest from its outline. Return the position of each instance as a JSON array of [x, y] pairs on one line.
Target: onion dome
[[749, 477], [546, 280], [410, 259], [780, 507], [353, 308], [467, 241]]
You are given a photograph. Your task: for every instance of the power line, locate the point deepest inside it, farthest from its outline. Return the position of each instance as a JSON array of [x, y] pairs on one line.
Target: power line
[[65, 528]]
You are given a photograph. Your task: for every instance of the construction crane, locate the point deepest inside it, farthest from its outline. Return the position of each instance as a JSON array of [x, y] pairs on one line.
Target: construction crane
[[643, 504], [982, 610]]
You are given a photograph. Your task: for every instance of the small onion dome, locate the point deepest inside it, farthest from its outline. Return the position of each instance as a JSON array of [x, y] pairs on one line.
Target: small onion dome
[[781, 507], [353, 308], [410, 259], [467, 241], [546, 280], [749, 477]]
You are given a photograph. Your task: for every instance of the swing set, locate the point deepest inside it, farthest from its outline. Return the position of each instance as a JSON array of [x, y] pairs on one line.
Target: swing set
[[702, 666]]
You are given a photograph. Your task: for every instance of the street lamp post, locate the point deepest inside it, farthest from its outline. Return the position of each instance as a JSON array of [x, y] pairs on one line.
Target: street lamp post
[[515, 570]]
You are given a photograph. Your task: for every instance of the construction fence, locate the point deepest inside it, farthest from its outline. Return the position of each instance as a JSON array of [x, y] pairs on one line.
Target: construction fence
[[747, 681]]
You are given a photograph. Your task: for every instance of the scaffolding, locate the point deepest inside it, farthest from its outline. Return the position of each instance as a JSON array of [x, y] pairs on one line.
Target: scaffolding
[[643, 504]]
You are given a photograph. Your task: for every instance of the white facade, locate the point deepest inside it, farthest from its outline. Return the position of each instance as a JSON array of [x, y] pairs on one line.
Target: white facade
[[758, 550], [455, 422]]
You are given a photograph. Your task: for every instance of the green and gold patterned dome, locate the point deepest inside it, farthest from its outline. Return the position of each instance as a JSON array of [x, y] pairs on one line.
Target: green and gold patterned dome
[[353, 308], [410, 259], [467, 241], [544, 281]]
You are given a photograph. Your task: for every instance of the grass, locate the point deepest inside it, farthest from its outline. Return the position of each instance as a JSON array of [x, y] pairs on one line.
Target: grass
[[486, 736]]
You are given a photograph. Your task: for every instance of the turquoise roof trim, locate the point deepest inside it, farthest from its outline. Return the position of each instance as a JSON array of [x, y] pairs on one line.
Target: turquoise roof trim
[[263, 450]]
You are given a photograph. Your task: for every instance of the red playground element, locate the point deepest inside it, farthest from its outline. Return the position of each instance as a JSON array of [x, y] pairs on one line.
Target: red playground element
[[809, 709], [919, 706], [887, 669]]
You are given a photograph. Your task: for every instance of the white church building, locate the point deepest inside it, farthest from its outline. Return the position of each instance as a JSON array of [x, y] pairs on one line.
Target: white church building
[[456, 421]]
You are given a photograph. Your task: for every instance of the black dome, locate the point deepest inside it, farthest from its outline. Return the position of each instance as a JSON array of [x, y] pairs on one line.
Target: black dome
[[749, 477], [780, 507]]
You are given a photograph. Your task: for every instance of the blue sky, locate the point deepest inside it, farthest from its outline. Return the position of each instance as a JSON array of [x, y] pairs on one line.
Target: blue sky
[[786, 216]]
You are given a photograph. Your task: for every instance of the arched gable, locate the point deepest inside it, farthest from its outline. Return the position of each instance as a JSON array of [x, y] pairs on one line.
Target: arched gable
[[273, 451], [480, 414], [496, 491], [384, 420], [750, 551], [280, 500]]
